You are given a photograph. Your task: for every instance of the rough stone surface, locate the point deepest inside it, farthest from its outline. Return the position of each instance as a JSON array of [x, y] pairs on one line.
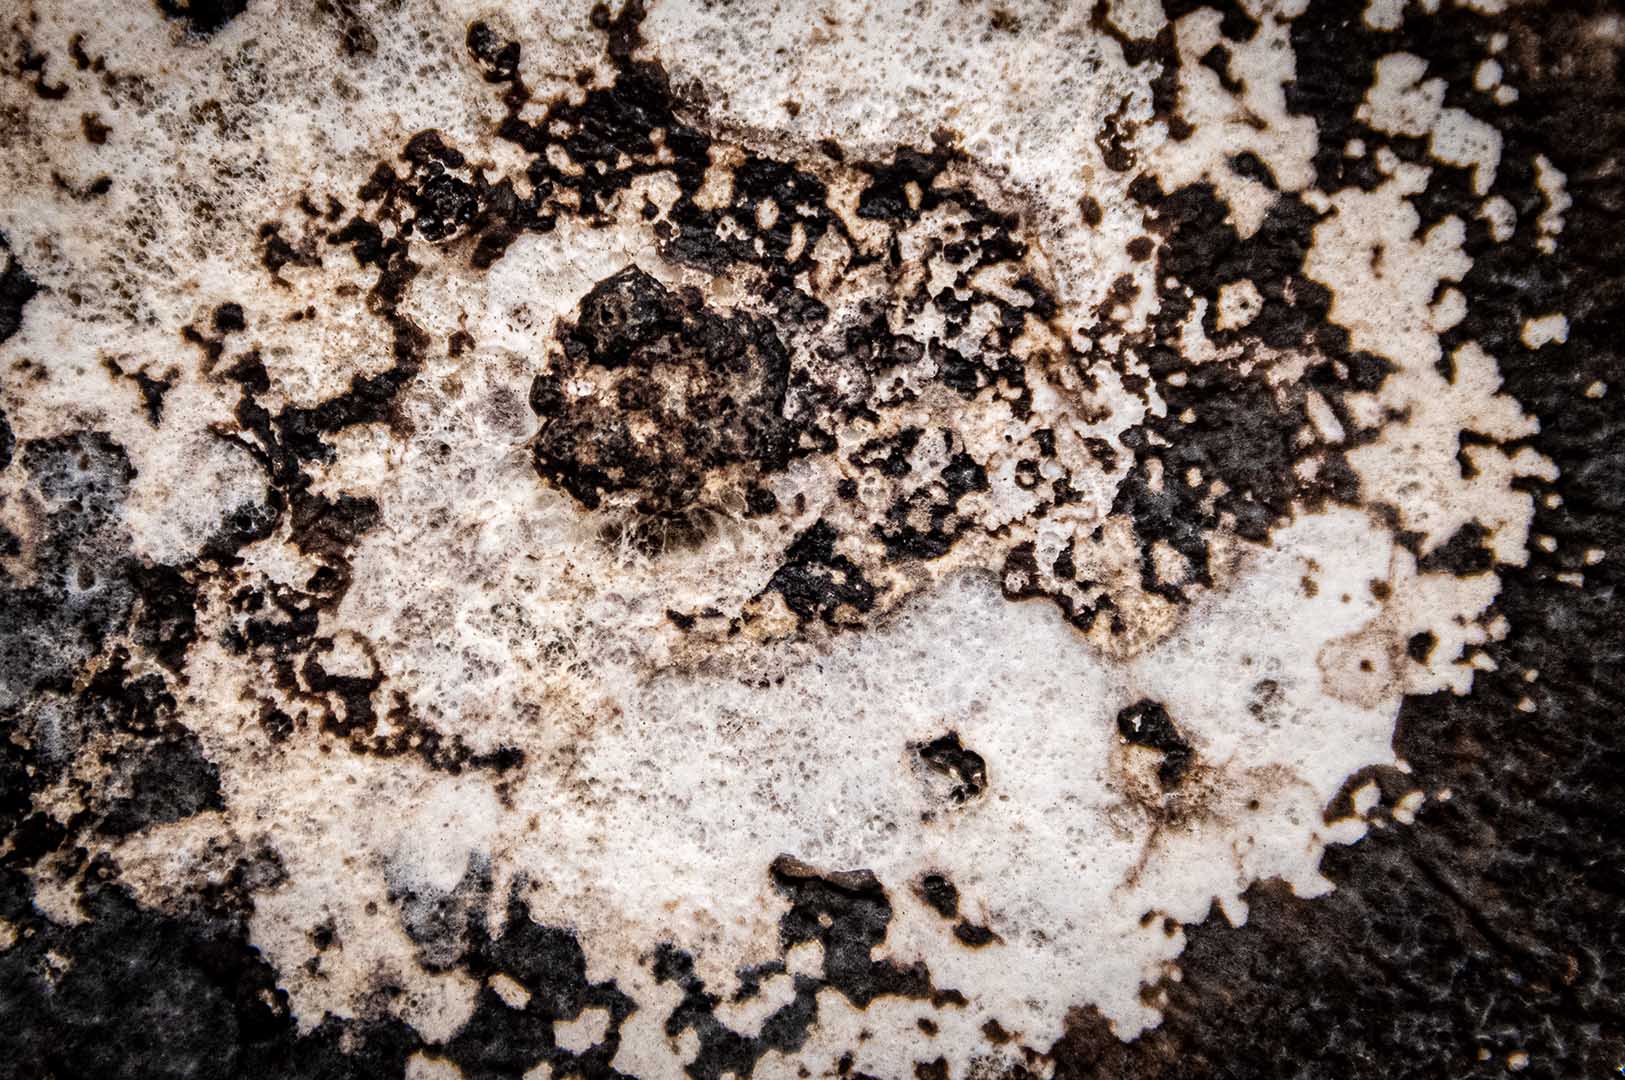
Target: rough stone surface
[[945, 540]]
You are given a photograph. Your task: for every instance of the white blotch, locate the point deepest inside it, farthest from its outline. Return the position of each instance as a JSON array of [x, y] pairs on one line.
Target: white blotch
[[423, 1066], [582, 1033], [1400, 102], [1502, 218], [1545, 330], [1553, 187], [1384, 14], [1239, 304]]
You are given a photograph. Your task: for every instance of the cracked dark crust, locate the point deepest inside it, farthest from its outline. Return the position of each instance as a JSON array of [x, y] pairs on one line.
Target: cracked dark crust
[[1489, 925]]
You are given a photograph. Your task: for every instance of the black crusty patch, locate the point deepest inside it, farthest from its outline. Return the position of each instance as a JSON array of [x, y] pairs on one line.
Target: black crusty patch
[[1147, 724], [202, 18]]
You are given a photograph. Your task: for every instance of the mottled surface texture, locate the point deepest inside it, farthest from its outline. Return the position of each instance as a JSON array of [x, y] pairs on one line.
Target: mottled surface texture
[[699, 538]]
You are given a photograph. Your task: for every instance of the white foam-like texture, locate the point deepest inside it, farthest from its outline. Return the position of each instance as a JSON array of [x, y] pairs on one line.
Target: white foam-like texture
[[663, 771]]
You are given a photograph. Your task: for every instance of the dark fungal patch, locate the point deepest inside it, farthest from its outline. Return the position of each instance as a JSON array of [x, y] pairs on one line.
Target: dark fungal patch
[[195, 978], [1419, 646], [974, 935], [1464, 554], [16, 290], [439, 922], [816, 581], [96, 131], [1222, 425], [32, 65], [202, 18], [898, 189], [940, 894], [889, 454], [548, 963], [722, 1050], [710, 387], [961, 769], [498, 59], [152, 388], [165, 617], [78, 594], [846, 912], [170, 780], [925, 522], [1147, 724]]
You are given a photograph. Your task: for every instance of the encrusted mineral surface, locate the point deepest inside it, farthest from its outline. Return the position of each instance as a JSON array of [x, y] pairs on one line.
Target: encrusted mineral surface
[[863, 539]]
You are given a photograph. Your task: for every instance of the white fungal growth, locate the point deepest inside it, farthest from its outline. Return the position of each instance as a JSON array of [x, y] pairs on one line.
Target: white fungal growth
[[678, 724]]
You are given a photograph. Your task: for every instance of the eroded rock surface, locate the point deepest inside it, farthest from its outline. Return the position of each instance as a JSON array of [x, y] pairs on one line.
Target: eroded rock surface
[[701, 539]]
